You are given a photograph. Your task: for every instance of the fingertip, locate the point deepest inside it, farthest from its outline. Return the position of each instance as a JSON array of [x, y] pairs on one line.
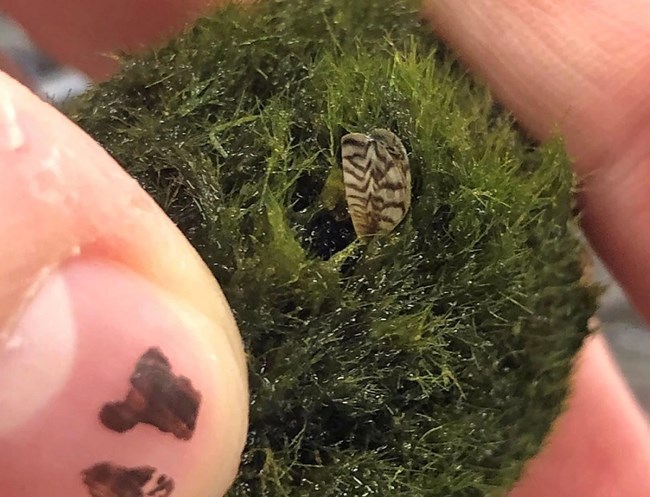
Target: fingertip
[[64, 203], [88, 34], [62, 194], [558, 64], [130, 381], [601, 444], [581, 69]]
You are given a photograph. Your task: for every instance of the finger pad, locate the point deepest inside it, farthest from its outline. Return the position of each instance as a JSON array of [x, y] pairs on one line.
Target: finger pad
[[577, 67], [87, 34], [600, 445]]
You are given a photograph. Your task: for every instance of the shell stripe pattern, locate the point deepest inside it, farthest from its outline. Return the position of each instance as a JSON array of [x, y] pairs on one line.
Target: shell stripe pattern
[[377, 181]]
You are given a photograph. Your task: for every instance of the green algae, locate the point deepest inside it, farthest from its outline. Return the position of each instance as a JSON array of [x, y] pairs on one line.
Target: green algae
[[430, 362]]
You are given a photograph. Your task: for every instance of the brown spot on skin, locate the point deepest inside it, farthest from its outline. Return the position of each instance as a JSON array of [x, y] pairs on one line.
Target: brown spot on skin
[[157, 397], [109, 480]]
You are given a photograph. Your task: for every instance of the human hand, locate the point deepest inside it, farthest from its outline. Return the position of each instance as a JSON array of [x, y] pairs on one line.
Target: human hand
[[599, 445], [583, 67], [98, 290]]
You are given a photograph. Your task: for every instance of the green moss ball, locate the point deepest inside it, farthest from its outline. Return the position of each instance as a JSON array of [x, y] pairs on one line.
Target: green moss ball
[[428, 362]]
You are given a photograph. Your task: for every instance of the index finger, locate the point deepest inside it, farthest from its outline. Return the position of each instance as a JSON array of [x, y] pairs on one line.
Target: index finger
[[582, 68], [88, 33]]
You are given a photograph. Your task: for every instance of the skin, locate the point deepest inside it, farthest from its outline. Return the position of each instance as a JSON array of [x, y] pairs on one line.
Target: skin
[[580, 67]]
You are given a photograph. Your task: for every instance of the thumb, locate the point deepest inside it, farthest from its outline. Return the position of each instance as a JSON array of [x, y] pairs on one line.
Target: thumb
[[121, 367]]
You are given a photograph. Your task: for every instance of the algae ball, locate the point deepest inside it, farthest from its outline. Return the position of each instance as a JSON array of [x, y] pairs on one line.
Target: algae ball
[[428, 362]]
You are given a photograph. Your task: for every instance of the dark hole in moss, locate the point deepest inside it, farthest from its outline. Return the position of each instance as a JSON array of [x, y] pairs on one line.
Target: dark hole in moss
[[350, 263], [306, 191], [327, 235]]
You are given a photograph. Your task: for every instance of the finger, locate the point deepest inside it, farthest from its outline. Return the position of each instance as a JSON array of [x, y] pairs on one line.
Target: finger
[[9, 66], [582, 68], [119, 358], [88, 34], [578, 66], [599, 445]]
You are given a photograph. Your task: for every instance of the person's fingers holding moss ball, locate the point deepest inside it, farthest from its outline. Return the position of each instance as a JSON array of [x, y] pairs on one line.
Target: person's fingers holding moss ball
[[121, 367], [87, 34], [581, 68], [119, 373]]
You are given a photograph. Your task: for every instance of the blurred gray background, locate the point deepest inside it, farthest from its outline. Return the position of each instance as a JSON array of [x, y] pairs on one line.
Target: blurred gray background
[[628, 336]]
